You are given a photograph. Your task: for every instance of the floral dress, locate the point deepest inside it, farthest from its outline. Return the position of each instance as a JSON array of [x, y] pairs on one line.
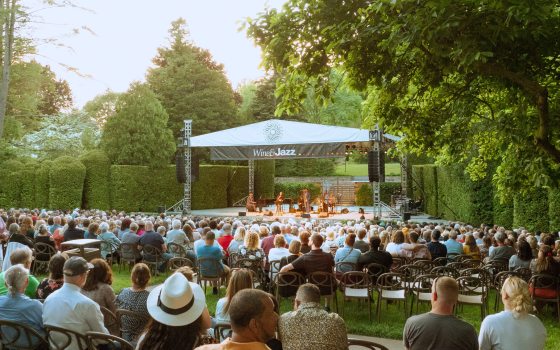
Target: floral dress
[[47, 286]]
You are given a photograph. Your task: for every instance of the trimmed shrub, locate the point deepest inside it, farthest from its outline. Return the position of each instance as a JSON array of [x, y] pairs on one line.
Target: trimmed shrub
[[264, 178], [554, 209], [128, 187], [364, 195], [429, 176], [305, 167], [210, 190], [26, 179], [531, 210], [481, 201], [66, 179], [10, 184], [417, 182], [502, 213], [238, 184], [162, 188], [42, 184], [293, 189], [96, 184]]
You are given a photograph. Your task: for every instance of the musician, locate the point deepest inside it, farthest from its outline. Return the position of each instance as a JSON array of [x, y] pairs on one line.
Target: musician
[[307, 200], [332, 202], [251, 203], [279, 200]]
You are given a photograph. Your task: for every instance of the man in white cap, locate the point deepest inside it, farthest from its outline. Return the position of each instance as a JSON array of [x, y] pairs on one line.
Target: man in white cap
[[68, 308]]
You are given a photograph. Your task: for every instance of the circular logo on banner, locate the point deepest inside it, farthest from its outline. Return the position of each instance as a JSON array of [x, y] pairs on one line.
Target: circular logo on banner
[[272, 132]]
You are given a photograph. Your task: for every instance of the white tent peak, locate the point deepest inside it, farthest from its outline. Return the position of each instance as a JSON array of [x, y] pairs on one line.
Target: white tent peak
[[282, 132]]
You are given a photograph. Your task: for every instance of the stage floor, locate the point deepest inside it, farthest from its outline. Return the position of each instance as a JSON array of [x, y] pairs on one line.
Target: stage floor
[[352, 214]]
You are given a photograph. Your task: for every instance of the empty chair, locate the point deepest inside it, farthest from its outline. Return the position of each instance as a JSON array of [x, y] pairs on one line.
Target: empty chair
[[152, 256], [391, 286], [356, 285], [178, 262], [421, 290], [43, 253], [326, 281], [473, 291], [374, 270]]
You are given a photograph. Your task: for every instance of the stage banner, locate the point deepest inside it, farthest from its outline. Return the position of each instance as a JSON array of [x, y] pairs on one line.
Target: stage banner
[[316, 150]]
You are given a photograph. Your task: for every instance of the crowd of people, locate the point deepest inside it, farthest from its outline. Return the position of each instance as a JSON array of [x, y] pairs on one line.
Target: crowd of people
[[78, 295]]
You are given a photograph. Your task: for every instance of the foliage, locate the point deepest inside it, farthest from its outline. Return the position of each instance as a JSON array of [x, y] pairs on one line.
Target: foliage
[[467, 82], [247, 92], [137, 134], [553, 210], [102, 107], [431, 193], [66, 183], [293, 189], [9, 184], [417, 183], [502, 212], [60, 135], [42, 183], [454, 198], [237, 184], [128, 187], [364, 195], [264, 178], [305, 167], [27, 184], [530, 210], [191, 85], [96, 184]]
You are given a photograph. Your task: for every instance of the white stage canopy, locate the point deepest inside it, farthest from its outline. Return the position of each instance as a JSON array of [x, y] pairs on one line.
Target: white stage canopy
[[275, 138]]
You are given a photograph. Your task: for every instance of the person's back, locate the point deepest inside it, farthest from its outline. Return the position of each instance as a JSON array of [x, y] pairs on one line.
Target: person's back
[[73, 233], [453, 247], [374, 255]]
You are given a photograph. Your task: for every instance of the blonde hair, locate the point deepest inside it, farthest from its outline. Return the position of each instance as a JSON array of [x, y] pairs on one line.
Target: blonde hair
[[239, 233], [519, 300], [252, 240], [279, 241]]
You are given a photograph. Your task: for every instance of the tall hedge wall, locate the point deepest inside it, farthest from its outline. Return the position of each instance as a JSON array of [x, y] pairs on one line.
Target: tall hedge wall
[[429, 175], [554, 209], [210, 190], [417, 182], [454, 200], [42, 184], [26, 180], [531, 210], [264, 178], [304, 167], [9, 184], [238, 184], [293, 189], [128, 187], [96, 185], [364, 195], [66, 183]]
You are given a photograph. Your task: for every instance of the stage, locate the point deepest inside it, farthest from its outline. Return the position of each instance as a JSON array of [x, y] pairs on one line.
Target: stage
[[353, 214]]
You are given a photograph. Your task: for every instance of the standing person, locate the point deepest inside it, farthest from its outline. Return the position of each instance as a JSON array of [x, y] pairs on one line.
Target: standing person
[[440, 328], [251, 204], [307, 200], [514, 328], [253, 322], [176, 307], [68, 308], [279, 201], [294, 330]]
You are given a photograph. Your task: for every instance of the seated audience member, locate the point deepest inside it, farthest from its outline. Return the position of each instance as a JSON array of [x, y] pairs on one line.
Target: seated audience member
[[15, 241], [395, 247], [534, 245], [522, 258], [315, 260], [267, 243], [545, 263], [152, 238], [278, 252], [485, 247], [374, 255], [17, 307], [24, 257], [328, 330], [240, 279], [361, 244], [68, 308], [304, 239], [125, 227], [214, 253], [237, 240], [176, 307], [43, 236], [226, 238], [253, 322], [293, 248], [347, 254], [414, 249], [113, 242], [502, 252], [98, 288], [470, 247], [72, 232], [329, 244], [177, 235], [453, 247], [515, 327], [134, 299], [26, 228], [250, 249], [56, 277], [440, 328], [436, 248]]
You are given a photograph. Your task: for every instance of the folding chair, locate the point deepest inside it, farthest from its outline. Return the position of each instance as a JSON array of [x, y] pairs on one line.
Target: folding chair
[[16, 335], [356, 285], [391, 286]]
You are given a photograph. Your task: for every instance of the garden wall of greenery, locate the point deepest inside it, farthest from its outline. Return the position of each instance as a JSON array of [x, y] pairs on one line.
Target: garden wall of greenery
[[447, 192], [92, 182]]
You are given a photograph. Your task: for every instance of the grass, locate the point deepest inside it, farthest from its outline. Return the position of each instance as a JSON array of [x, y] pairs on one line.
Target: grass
[[392, 319], [357, 169]]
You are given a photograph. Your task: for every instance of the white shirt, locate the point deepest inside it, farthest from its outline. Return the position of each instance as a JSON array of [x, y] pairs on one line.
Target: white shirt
[[70, 309], [502, 331]]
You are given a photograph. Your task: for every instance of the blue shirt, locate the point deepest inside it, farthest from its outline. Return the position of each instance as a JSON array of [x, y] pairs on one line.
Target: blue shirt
[[347, 254], [210, 252], [453, 247], [21, 309]]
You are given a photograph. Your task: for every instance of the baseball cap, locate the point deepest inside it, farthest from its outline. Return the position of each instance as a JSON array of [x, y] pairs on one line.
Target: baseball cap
[[76, 265]]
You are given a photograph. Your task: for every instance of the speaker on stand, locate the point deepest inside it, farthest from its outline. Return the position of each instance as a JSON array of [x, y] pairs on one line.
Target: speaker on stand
[[180, 166]]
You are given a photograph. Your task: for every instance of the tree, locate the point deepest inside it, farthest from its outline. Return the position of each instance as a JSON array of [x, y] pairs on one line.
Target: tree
[[8, 10], [264, 103], [102, 107], [247, 93], [467, 81], [191, 85], [137, 134]]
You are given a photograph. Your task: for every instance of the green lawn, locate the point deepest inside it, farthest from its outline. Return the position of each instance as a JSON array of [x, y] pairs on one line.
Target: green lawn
[[356, 169], [356, 314]]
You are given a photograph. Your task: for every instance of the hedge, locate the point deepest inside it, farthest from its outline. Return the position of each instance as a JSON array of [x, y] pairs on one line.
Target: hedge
[[364, 195], [553, 210], [429, 175], [9, 185], [417, 182], [96, 185], [162, 188], [454, 200], [210, 190], [502, 213], [26, 179], [42, 184], [238, 184], [264, 178], [66, 183], [128, 187], [293, 189], [305, 167], [530, 210]]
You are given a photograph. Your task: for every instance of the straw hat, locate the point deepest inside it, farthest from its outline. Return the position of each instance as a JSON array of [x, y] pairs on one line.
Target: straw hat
[[177, 302]]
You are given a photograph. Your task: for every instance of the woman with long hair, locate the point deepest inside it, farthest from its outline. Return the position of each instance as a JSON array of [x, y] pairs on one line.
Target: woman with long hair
[[515, 327], [523, 256], [470, 248], [176, 308], [395, 247], [237, 240], [250, 249], [545, 263], [56, 276], [134, 299], [26, 227], [240, 279], [98, 288]]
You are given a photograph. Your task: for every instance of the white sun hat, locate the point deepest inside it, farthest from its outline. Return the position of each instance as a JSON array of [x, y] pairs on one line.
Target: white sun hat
[[177, 302]]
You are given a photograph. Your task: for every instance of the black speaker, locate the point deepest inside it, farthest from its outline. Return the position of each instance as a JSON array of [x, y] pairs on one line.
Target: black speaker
[[376, 166], [180, 167], [161, 209], [306, 216], [242, 213], [195, 166], [406, 216]]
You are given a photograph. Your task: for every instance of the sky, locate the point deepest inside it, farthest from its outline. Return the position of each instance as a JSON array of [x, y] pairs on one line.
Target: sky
[[125, 35]]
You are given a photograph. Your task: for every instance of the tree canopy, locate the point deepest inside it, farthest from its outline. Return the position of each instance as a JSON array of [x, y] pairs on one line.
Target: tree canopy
[[471, 81], [191, 85], [137, 134]]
